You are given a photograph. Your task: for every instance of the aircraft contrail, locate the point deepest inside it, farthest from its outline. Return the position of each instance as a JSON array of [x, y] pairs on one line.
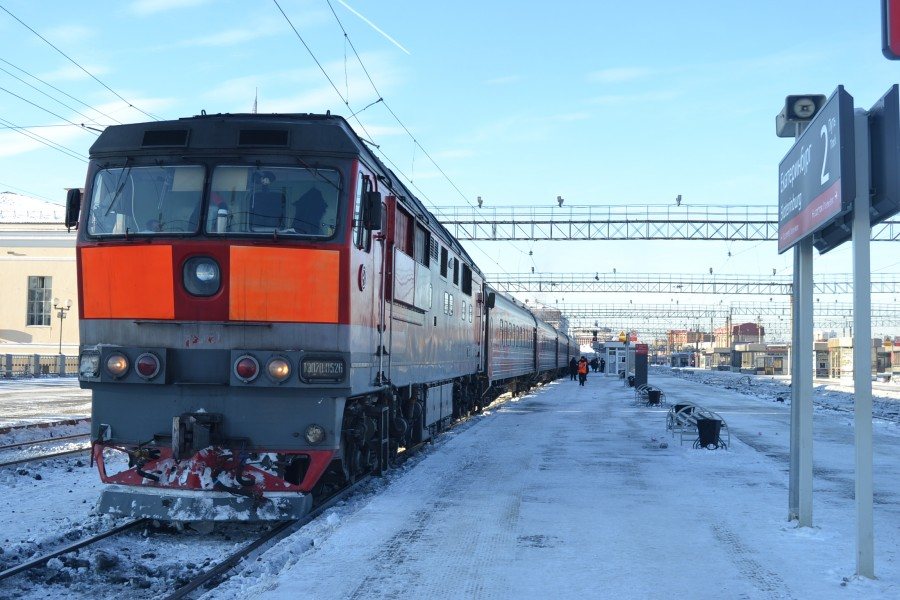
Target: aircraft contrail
[[373, 26]]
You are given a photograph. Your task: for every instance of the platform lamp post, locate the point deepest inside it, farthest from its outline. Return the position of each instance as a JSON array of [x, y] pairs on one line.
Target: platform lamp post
[[61, 313]]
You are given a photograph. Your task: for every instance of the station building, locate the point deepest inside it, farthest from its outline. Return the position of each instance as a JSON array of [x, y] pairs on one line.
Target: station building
[[39, 307]]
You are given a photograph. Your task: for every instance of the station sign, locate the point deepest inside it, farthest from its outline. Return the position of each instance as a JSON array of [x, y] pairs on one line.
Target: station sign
[[890, 29], [884, 156], [817, 179]]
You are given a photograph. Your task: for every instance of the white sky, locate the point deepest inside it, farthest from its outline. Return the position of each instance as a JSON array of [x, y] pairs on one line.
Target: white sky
[[599, 102]]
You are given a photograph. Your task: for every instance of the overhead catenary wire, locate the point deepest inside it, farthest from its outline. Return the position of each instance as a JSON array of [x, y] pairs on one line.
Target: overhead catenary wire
[[42, 140], [381, 100], [56, 89], [74, 62], [27, 101]]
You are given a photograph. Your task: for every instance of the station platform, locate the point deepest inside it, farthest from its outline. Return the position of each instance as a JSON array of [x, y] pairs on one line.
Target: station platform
[[580, 492]]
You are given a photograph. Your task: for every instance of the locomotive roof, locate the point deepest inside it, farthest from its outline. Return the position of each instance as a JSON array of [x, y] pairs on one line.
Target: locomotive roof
[[221, 134]]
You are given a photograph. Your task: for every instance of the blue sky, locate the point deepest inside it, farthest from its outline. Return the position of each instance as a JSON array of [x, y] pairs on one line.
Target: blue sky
[[600, 102]]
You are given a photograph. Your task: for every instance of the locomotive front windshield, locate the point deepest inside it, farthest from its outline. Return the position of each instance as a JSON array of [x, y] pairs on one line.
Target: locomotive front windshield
[[245, 200]]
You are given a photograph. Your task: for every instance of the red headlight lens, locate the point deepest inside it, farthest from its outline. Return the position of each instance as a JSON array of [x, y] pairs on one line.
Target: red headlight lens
[[147, 365], [246, 368]]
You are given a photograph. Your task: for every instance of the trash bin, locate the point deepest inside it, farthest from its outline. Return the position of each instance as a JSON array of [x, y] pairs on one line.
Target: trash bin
[[653, 397], [708, 432]]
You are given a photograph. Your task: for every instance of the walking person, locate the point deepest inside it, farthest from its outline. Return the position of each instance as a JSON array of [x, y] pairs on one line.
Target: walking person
[[582, 370], [573, 369]]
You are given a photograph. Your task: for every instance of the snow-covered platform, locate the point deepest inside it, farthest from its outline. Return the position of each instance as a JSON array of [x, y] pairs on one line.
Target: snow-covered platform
[[576, 492]]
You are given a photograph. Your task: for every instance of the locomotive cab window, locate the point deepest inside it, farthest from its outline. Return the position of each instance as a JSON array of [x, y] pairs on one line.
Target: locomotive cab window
[[361, 236], [289, 201], [146, 200]]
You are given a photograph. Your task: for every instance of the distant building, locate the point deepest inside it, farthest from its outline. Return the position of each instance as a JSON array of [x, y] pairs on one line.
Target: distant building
[[37, 265], [745, 333]]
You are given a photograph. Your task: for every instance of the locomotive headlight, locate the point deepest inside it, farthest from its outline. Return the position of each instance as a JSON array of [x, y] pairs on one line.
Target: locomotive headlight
[[89, 366], [201, 276], [278, 369], [246, 368], [117, 364], [315, 434]]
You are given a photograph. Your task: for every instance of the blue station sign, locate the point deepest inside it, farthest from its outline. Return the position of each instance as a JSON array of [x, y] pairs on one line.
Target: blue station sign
[[817, 179]]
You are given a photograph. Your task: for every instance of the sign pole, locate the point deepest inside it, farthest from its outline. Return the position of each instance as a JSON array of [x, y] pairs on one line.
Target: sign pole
[[794, 471], [802, 382], [862, 352], [800, 484], [815, 193]]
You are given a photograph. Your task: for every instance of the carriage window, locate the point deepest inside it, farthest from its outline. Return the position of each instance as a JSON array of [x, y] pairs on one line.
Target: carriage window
[[288, 201], [146, 200]]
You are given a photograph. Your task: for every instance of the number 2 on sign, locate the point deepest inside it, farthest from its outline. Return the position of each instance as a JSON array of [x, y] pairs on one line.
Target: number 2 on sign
[[825, 176]]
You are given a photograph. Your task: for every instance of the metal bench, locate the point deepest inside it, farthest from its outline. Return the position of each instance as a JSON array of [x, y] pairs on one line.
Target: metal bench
[[682, 419], [649, 395]]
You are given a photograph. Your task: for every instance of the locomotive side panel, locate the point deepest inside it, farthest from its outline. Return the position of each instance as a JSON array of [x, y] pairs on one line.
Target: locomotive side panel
[[433, 331], [365, 286]]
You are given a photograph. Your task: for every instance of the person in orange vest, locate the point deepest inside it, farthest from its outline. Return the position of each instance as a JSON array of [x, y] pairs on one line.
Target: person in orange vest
[[582, 370]]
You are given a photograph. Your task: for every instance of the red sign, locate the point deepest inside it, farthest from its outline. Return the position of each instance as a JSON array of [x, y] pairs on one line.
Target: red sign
[[890, 29], [641, 349]]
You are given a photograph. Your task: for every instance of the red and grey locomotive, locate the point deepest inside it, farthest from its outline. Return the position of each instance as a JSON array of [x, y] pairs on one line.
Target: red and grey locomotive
[[267, 312]]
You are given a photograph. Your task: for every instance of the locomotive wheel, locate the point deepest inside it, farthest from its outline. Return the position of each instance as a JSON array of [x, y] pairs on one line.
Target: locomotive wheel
[[352, 460]]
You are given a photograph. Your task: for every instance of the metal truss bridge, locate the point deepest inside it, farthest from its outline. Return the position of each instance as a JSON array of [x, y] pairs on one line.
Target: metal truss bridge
[[665, 222], [654, 321], [639, 222], [669, 283]]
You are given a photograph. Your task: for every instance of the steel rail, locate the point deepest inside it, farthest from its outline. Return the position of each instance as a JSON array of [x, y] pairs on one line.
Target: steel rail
[[37, 562]]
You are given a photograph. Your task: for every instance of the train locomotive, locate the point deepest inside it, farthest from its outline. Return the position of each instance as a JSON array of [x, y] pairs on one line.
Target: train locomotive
[[267, 313]]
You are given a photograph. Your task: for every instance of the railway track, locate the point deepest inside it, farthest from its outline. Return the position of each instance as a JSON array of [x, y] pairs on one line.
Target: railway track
[[8, 452], [201, 570], [47, 425], [42, 560], [214, 576], [210, 578]]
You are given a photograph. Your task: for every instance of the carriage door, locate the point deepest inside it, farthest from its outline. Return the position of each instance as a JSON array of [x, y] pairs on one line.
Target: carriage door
[[368, 274]]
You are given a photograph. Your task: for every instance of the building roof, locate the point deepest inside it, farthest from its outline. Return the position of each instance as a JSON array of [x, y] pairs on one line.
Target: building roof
[[18, 209]]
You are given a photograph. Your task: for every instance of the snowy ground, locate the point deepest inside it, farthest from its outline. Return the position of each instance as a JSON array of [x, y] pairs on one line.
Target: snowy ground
[[567, 492]]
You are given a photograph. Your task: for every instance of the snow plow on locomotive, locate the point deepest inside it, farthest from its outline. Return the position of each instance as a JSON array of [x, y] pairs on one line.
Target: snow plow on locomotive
[[267, 313]]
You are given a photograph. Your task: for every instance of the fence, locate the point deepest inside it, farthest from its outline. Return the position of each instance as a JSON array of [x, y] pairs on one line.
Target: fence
[[37, 365]]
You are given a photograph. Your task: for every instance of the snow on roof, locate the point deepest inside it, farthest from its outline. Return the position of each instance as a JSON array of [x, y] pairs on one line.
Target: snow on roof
[[15, 208]]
